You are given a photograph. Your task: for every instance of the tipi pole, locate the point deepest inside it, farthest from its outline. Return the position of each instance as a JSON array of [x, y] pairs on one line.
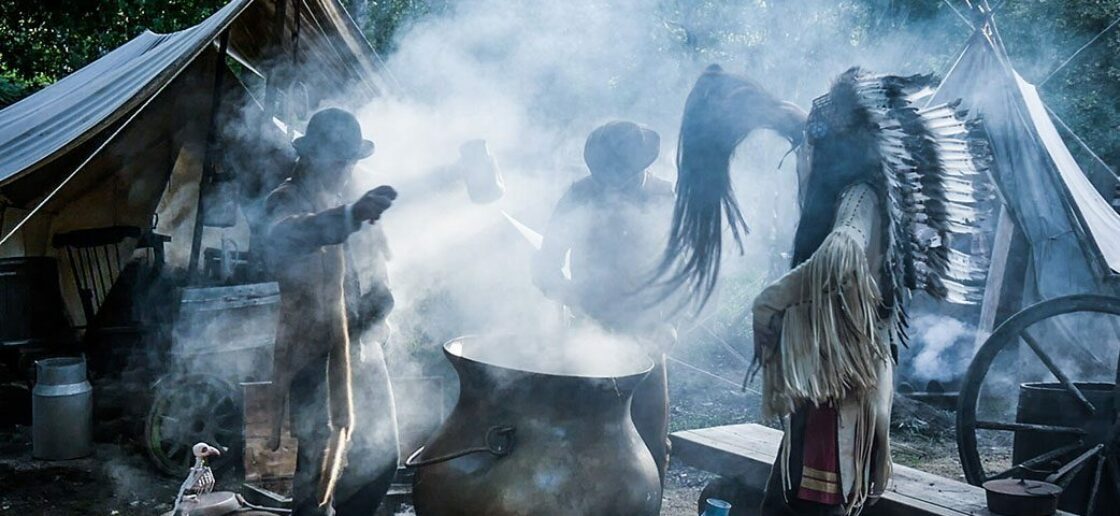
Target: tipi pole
[[1084, 146], [960, 14]]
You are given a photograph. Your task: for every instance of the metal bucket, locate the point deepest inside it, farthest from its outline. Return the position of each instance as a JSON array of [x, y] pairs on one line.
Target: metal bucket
[[61, 410]]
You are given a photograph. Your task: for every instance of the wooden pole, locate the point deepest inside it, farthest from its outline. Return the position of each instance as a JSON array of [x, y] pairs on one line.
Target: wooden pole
[[211, 156], [272, 83], [1006, 273]]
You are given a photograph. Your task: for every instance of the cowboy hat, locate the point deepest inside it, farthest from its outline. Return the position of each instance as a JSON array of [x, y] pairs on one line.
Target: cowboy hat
[[621, 147], [334, 134]]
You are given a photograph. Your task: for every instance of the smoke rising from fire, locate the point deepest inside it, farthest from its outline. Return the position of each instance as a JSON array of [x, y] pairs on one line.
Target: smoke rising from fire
[[533, 79]]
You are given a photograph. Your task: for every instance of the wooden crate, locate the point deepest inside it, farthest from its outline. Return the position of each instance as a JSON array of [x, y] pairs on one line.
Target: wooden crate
[[263, 465]]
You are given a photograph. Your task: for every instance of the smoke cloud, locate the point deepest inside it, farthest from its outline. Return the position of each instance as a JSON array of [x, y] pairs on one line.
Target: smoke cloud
[[946, 346], [533, 79]]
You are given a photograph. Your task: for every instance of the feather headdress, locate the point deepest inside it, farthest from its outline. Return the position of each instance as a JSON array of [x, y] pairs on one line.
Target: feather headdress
[[934, 161]]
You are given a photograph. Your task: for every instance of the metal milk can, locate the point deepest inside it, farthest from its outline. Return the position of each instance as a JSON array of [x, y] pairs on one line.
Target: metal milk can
[[61, 410]]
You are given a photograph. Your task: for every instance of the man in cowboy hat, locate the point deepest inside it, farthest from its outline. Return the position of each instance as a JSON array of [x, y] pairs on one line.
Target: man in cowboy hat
[[339, 397], [614, 223]]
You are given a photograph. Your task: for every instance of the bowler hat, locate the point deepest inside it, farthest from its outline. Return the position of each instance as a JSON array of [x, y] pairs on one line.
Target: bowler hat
[[621, 147], [334, 134]]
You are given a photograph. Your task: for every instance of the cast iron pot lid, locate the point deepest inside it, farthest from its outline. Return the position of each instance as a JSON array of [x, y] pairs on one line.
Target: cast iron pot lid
[[1023, 488], [1022, 497]]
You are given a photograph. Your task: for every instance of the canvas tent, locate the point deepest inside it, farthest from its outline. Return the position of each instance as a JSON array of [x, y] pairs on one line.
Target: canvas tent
[[124, 140], [1058, 234]]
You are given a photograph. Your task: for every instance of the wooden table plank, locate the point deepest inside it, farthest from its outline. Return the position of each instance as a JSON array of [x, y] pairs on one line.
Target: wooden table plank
[[747, 452]]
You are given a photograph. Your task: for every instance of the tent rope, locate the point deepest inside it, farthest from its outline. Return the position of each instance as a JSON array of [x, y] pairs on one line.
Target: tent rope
[[711, 374], [1083, 47], [82, 165], [1084, 146]]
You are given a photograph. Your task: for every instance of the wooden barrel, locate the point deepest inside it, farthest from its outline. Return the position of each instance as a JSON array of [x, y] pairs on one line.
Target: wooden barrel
[[1050, 404], [32, 312]]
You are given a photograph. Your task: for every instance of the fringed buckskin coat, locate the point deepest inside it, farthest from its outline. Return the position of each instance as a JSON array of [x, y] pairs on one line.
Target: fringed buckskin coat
[[833, 357]]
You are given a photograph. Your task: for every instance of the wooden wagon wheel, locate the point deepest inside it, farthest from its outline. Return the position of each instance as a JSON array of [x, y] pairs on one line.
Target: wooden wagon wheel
[[190, 409], [1090, 447]]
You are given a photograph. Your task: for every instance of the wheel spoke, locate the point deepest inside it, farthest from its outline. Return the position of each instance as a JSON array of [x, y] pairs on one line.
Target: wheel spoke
[[1029, 427], [1114, 469], [1091, 508], [1057, 372], [1039, 460], [174, 449], [1066, 473], [1008, 334]]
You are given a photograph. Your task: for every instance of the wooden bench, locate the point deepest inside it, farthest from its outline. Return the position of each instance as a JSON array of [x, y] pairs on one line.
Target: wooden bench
[[745, 453]]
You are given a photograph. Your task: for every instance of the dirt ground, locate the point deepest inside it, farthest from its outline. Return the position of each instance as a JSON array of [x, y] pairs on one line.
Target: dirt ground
[[114, 481], [118, 479]]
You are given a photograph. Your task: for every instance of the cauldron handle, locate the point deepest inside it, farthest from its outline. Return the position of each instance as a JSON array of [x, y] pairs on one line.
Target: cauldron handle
[[499, 442]]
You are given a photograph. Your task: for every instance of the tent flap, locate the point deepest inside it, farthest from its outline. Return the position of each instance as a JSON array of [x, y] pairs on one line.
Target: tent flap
[[335, 60], [63, 115], [1074, 234]]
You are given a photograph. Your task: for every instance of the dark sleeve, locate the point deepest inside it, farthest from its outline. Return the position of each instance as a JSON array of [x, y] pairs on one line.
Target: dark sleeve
[[376, 304], [548, 264], [294, 228]]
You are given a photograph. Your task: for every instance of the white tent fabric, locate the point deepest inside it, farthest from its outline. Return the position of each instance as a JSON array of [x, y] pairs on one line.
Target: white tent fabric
[[1073, 233], [64, 114], [1101, 220]]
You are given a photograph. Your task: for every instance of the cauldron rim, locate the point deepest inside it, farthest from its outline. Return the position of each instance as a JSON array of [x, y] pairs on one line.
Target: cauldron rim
[[647, 364]]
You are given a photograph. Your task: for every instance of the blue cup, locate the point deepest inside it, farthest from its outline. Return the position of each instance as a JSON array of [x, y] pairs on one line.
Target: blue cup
[[717, 507]]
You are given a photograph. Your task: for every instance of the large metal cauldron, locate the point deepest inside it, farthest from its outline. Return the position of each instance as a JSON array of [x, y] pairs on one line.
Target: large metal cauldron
[[533, 435], [1050, 404]]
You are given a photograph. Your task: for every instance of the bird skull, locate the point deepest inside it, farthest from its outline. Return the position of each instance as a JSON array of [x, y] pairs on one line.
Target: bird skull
[[203, 450]]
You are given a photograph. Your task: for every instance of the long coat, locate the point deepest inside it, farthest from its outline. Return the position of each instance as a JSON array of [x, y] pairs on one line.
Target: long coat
[[305, 252]]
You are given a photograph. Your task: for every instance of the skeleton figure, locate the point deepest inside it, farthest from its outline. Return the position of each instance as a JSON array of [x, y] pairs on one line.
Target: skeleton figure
[[886, 184], [200, 480]]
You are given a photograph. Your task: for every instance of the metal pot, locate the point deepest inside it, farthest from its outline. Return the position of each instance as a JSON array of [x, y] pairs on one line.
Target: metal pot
[[1021, 497], [529, 437]]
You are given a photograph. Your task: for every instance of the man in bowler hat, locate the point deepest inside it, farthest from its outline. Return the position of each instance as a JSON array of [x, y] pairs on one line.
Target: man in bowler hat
[[338, 392]]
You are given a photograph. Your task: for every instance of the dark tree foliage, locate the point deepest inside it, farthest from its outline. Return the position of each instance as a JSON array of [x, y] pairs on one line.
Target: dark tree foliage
[[1041, 34], [381, 20], [44, 40]]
